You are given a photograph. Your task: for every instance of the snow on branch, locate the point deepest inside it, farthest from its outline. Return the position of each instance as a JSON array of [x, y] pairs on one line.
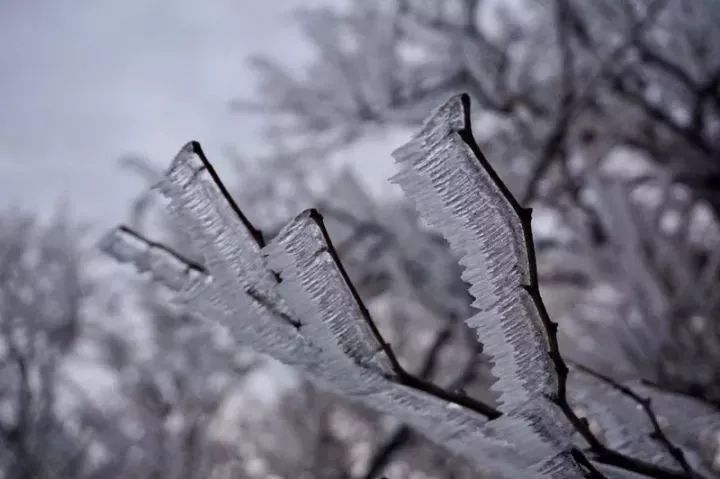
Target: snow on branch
[[622, 427], [355, 360], [165, 265], [269, 312], [456, 190], [241, 291], [292, 299]]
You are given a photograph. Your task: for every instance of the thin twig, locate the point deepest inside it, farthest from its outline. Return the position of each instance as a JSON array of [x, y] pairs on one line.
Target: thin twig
[[384, 454], [255, 233], [554, 145], [690, 394], [571, 101], [189, 264], [404, 435], [646, 404]]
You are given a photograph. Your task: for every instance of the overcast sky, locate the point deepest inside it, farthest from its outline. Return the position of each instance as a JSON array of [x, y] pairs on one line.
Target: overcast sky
[[83, 82]]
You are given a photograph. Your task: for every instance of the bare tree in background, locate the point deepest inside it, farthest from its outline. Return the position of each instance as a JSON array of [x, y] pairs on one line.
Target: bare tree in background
[[42, 296], [62, 339], [552, 76]]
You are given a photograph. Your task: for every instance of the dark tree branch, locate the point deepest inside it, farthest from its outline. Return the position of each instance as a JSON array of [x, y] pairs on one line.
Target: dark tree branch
[[697, 395], [651, 57], [189, 264], [599, 452], [384, 454], [193, 266], [646, 404], [256, 233], [404, 435], [387, 240], [572, 101], [692, 136], [509, 102], [403, 376], [554, 145]]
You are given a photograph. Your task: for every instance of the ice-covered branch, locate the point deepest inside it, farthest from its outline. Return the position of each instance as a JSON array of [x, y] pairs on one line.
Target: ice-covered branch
[[292, 299]]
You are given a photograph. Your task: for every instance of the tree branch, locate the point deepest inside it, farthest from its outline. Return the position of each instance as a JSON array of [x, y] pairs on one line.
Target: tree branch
[[404, 435], [600, 453], [403, 376], [646, 404]]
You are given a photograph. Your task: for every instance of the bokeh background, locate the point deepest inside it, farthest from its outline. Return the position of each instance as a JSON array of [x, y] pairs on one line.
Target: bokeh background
[[604, 116]]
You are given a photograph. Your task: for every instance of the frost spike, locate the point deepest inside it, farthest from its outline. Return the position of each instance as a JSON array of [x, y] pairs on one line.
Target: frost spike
[[317, 290], [242, 287], [456, 191], [165, 266], [201, 204], [353, 359]]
